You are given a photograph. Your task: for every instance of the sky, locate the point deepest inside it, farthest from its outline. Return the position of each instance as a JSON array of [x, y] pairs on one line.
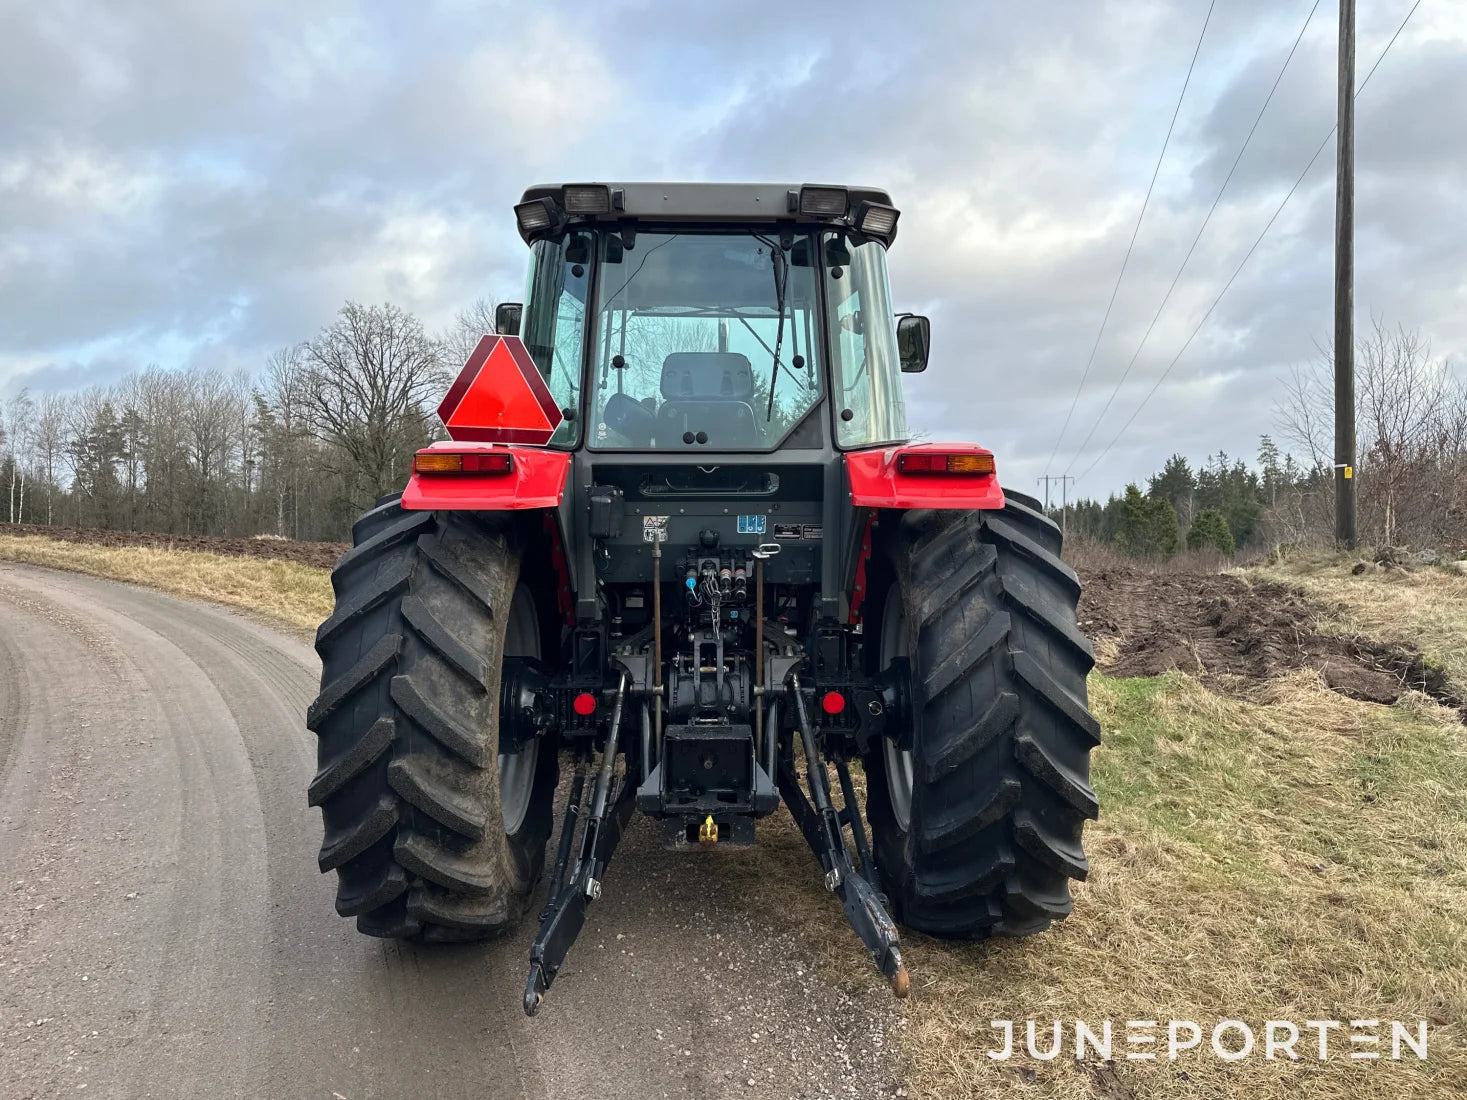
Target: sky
[[194, 184]]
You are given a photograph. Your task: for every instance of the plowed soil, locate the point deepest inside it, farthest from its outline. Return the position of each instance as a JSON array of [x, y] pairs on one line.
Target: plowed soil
[[1230, 631], [320, 554]]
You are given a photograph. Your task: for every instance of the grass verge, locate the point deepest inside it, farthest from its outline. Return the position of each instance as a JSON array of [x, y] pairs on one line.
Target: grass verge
[[1303, 857], [297, 595]]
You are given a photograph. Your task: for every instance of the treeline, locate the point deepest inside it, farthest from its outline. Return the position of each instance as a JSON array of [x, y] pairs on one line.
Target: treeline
[[326, 426], [298, 449], [1224, 504], [1411, 478]]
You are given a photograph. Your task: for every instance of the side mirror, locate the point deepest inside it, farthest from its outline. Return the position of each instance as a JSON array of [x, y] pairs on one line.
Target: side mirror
[[507, 319], [914, 339]]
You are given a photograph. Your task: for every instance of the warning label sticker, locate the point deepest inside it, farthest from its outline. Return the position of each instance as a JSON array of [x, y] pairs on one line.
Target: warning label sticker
[[654, 528], [752, 525]]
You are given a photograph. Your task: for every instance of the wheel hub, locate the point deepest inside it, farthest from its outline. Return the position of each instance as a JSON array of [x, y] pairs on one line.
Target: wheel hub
[[517, 769], [896, 745]]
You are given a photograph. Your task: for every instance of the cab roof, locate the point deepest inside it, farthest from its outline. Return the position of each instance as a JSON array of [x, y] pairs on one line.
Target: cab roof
[[713, 202]]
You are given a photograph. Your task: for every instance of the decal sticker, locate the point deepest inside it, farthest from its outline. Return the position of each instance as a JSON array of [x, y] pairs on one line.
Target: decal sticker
[[788, 531], [752, 525], [814, 531], [654, 528]]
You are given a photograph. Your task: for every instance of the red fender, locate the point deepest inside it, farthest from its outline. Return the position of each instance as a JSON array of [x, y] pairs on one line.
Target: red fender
[[536, 479], [878, 481]]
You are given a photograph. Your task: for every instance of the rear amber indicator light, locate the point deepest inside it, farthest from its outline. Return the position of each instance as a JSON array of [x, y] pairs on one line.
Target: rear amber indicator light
[[456, 462], [938, 462]]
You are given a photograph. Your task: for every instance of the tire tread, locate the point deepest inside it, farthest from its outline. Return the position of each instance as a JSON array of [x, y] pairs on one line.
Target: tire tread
[[1003, 737], [406, 719]]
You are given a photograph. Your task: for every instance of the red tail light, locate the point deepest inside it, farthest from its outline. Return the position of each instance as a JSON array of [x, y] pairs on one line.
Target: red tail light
[[965, 463], [463, 462]]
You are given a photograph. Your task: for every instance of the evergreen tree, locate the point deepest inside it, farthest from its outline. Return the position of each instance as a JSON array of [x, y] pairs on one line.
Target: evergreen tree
[[1165, 532], [1148, 528], [1210, 529], [1135, 532], [1270, 462], [1175, 483]]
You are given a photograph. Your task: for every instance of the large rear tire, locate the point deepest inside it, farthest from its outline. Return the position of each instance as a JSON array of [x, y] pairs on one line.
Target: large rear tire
[[978, 824], [430, 831]]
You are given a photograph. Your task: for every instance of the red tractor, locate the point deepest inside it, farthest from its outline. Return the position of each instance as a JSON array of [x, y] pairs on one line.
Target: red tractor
[[680, 543]]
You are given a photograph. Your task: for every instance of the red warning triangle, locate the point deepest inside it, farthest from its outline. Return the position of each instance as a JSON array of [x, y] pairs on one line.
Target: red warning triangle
[[500, 397]]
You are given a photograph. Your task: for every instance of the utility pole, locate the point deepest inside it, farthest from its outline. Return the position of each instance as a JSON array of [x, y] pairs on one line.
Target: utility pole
[[1345, 286], [1064, 480]]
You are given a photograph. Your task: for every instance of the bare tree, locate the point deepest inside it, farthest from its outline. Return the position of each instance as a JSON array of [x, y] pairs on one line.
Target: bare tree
[[285, 436], [50, 444], [372, 376], [468, 328], [208, 410], [1305, 413], [18, 434], [1411, 425], [1402, 394]]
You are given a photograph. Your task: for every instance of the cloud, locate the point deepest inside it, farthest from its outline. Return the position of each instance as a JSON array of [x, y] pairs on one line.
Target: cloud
[[199, 183]]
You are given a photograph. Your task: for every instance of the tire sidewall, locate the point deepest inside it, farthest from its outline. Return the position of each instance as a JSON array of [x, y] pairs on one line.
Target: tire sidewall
[[527, 844], [890, 842]]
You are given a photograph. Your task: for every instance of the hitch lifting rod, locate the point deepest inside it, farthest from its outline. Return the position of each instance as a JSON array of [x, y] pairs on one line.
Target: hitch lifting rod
[[865, 908], [603, 781], [819, 784], [565, 912], [567, 834]]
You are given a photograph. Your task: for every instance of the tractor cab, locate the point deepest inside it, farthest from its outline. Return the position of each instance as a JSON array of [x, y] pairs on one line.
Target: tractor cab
[[695, 318]]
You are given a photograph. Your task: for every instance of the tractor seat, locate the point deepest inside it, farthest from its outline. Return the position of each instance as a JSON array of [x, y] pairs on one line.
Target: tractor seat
[[708, 391]]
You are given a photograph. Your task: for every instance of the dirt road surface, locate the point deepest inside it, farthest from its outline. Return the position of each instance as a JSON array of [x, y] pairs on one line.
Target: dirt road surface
[[164, 931]]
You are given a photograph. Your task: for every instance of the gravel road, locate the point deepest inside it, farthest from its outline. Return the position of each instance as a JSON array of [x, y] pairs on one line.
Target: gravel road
[[164, 931]]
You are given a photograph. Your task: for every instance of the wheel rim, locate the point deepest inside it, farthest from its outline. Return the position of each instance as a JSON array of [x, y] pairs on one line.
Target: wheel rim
[[898, 759], [517, 769]]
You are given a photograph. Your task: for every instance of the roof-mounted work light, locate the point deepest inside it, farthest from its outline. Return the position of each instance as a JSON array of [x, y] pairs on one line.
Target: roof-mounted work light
[[536, 217], [873, 219], [586, 198], [823, 202]]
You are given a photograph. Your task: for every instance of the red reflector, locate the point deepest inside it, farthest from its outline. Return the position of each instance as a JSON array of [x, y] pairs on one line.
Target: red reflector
[[942, 462], [496, 463], [833, 702], [468, 462], [584, 704]]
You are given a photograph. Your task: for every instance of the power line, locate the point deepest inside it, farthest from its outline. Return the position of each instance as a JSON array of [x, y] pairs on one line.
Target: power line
[[1175, 359], [1200, 230], [1125, 262]]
